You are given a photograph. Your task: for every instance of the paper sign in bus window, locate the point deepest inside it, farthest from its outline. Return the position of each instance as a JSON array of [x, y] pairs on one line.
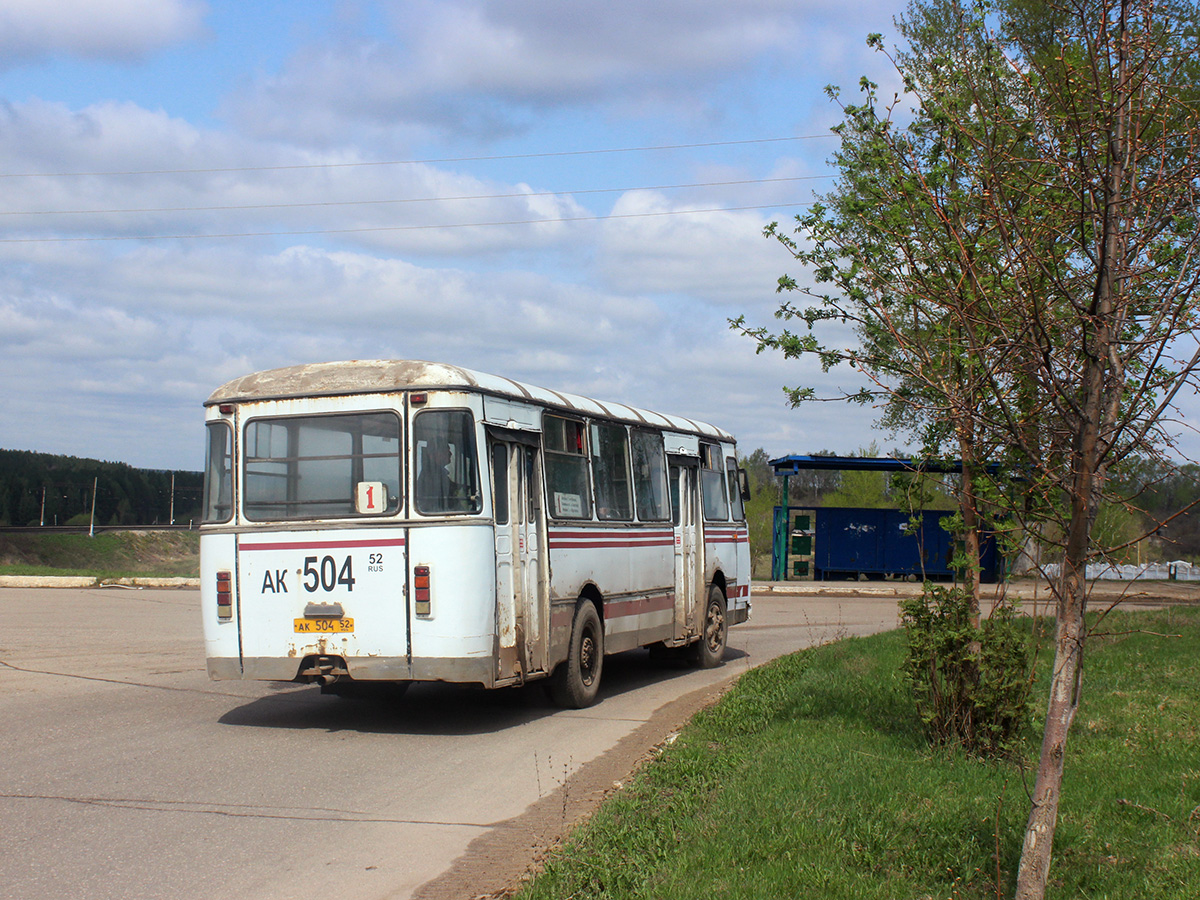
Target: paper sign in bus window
[[568, 506]]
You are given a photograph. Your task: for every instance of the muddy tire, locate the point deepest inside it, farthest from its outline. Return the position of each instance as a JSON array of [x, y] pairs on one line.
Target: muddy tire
[[576, 681], [709, 651]]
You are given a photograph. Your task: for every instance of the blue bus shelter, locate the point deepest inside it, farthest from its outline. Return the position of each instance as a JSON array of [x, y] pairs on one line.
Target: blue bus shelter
[[840, 542]]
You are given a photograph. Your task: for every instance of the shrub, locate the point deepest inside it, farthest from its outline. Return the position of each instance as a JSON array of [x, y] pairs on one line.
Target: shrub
[[970, 684]]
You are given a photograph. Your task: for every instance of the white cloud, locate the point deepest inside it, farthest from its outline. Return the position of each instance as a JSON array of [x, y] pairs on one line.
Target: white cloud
[[111, 30], [245, 187], [675, 250], [462, 67]]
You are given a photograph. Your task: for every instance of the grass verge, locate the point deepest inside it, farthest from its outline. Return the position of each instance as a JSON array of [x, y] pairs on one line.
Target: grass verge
[[160, 554], [811, 778]]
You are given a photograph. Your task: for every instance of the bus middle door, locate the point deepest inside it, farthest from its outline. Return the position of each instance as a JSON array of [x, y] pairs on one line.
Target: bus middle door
[[522, 616], [689, 545]]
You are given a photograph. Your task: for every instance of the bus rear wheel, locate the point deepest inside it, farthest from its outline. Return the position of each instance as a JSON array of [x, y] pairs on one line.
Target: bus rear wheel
[[709, 651], [576, 681]]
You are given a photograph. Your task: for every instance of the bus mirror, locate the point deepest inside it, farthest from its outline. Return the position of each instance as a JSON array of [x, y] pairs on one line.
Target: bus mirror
[[744, 484]]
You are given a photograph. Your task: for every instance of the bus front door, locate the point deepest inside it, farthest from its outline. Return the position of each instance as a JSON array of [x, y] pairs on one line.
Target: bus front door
[[689, 547], [522, 608]]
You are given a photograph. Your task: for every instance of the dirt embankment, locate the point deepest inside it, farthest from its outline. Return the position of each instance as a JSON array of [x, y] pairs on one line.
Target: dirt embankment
[[158, 553]]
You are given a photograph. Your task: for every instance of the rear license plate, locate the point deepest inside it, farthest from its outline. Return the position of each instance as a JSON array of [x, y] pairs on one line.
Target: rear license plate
[[314, 626]]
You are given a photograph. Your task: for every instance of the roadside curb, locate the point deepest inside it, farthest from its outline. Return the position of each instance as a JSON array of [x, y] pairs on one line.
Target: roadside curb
[[91, 581], [833, 589], [1023, 589]]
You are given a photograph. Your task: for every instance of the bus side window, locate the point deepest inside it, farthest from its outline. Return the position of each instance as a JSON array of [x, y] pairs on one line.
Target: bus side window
[[610, 469], [735, 489], [218, 474], [566, 467], [500, 483], [675, 516], [712, 484], [649, 476]]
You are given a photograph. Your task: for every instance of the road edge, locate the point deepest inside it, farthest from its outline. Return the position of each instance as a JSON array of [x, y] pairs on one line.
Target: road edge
[[495, 865]]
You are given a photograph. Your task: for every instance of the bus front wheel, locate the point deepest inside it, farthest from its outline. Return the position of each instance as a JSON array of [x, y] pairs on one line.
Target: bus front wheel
[[576, 681]]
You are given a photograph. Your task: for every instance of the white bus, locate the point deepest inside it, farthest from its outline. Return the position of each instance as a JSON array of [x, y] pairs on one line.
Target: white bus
[[375, 523]]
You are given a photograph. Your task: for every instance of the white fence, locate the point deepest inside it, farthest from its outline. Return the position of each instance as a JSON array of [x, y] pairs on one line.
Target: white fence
[[1162, 571]]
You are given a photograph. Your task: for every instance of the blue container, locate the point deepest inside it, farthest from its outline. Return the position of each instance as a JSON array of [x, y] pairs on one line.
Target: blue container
[[876, 543]]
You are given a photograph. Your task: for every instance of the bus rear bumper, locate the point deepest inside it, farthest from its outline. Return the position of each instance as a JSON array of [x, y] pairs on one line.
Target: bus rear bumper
[[466, 670]]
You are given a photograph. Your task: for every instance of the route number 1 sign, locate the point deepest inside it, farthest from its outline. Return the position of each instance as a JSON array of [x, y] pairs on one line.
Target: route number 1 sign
[[370, 497]]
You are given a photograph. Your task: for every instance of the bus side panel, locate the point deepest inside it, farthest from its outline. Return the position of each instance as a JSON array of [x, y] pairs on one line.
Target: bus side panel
[[301, 593], [455, 641], [727, 550], [631, 567], [739, 586], [218, 553]]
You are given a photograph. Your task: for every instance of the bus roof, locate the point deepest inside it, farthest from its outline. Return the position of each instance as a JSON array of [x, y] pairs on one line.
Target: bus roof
[[382, 376]]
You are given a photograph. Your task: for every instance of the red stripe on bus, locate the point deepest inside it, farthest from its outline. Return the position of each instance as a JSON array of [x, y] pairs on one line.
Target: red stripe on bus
[[560, 533], [583, 540], [605, 545], [725, 537], [324, 545]]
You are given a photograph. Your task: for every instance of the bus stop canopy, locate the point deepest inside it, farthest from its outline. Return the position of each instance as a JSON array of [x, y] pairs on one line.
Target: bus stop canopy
[[792, 465]]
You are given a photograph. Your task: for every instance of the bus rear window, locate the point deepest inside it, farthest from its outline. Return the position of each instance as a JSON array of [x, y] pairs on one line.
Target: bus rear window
[[447, 472], [309, 467]]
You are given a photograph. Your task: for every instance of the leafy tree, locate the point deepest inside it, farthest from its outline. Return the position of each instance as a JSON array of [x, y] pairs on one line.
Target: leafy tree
[[760, 508], [1015, 242]]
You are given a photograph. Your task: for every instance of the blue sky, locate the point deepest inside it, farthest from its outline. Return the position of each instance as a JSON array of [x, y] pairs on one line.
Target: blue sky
[[337, 141]]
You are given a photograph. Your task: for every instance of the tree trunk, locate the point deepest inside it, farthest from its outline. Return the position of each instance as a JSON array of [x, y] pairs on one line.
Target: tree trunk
[[969, 507], [1101, 380], [1034, 870]]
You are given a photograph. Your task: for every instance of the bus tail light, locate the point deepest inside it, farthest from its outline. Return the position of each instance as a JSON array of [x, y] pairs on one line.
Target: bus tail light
[[421, 589], [224, 595]]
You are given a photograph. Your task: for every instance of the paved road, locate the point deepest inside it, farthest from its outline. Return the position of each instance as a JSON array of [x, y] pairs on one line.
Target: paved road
[[127, 774]]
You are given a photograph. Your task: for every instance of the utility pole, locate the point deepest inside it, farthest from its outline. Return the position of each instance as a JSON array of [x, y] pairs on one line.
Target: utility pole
[[92, 527]]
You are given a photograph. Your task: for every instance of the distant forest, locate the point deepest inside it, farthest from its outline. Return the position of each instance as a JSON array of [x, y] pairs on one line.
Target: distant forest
[[41, 488]]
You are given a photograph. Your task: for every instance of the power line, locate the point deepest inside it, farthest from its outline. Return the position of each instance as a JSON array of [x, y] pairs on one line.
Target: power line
[[331, 203], [391, 228], [413, 162]]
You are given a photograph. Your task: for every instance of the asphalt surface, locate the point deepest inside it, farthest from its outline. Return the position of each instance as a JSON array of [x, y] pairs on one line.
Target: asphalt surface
[[128, 774]]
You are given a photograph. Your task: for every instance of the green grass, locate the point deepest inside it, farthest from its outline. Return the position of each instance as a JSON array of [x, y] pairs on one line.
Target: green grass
[[105, 555], [811, 779]]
